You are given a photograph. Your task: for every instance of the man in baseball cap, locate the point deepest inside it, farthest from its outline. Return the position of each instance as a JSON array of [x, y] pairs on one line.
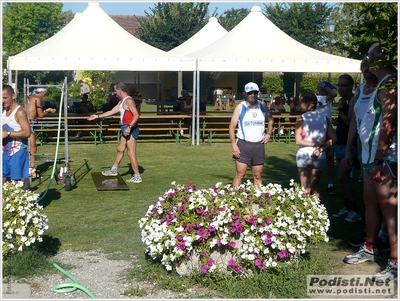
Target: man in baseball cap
[[250, 117], [251, 87]]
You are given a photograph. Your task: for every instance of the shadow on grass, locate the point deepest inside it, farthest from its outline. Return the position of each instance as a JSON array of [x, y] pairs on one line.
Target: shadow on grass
[[49, 246], [280, 171]]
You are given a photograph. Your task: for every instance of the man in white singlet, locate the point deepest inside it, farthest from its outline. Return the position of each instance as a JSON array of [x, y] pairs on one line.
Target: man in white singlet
[[15, 133], [249, 149], [378, 138]]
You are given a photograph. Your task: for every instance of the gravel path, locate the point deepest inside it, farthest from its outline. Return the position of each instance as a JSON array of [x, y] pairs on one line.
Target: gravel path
[[101, 276]]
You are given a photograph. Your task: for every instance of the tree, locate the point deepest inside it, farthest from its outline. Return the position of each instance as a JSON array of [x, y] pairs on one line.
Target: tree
[[172, 23], [99, 83], [27, 24], [359, 25], [232, 17], [304, 22]]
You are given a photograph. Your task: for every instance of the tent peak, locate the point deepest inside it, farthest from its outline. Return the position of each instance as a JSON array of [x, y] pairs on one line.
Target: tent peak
[[213, 19], [256, 9], [93, 4]]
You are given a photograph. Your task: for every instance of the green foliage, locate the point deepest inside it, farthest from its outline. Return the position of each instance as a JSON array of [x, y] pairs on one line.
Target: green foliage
[[308, 82], [232, 17], [273, 82], [53, 93], [99, 84], [172, 23], [31, 261], [304, 22], [360, 24], [26, 24]]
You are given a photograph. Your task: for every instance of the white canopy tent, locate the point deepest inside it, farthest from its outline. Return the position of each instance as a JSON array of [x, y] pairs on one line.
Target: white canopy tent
[[209, 34], [271, 50], [94, 41]]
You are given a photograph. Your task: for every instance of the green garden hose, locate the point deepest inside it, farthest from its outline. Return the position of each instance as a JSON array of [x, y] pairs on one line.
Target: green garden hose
[[70, 287], [58, 143]]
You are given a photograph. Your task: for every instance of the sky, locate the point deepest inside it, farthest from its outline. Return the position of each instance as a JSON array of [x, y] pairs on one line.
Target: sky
[[138, 8]]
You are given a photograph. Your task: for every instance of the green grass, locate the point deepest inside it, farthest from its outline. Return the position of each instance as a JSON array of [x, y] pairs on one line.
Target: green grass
[[86, 219]]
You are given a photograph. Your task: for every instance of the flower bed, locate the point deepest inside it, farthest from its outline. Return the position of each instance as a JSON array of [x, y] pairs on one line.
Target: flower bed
[[24, 220], [250, 227]]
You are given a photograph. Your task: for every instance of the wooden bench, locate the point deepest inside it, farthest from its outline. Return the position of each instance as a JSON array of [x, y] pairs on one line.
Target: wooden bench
[[43, 127]]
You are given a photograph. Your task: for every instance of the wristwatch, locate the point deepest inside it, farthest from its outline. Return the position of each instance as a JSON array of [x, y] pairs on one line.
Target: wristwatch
[[378, 162], [8, 134]]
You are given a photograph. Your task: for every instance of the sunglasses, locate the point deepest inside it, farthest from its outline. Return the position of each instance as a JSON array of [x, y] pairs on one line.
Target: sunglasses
[[343, 85], [252, 92]]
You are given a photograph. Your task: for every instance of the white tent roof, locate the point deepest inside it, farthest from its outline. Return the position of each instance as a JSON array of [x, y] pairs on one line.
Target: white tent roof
[[210, 33], [94, 41], [263, 47]]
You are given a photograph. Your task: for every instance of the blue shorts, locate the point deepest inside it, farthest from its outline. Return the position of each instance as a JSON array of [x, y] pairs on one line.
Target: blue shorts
[[134, 131], [340, 151], [16, 167]]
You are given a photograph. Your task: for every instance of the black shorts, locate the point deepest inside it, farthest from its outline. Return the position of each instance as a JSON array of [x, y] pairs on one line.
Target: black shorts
[[251, 153]]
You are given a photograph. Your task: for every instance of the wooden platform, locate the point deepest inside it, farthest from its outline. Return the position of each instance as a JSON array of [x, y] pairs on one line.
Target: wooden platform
[[104, 183]]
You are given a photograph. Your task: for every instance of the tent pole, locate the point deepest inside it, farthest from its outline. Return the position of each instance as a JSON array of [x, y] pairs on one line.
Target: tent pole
[[65, 88], [198, 107], [194, 107]]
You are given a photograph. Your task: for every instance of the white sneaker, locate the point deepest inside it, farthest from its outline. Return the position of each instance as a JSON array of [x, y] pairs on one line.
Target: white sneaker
[[388, 274], [110, 173], [135, 179]]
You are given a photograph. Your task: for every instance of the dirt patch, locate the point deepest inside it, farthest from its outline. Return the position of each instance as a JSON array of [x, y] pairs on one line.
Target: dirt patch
[[365, 269]]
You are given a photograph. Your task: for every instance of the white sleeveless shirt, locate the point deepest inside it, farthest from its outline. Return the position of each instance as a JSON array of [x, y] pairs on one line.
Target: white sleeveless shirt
[[251, 125], [12, 145]]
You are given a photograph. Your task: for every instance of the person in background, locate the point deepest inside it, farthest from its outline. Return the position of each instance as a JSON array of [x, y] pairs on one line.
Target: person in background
[[345, 113], [326, 96], [378, 138], [85, 90], [15, 134], [186, 102], [35, 111], [361, 100], [129, 117], [85, 107], [113, 100], [249, 147], [277, 106], [311, 132], [295, 106]]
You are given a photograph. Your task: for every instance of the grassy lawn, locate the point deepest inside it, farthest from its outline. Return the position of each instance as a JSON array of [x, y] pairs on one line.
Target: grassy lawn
[[87, 219]]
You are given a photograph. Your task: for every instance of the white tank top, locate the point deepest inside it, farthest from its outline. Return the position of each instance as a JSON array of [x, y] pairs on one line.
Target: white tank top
[[12, 145], [251, 125], [361, 101], [370, 130]]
